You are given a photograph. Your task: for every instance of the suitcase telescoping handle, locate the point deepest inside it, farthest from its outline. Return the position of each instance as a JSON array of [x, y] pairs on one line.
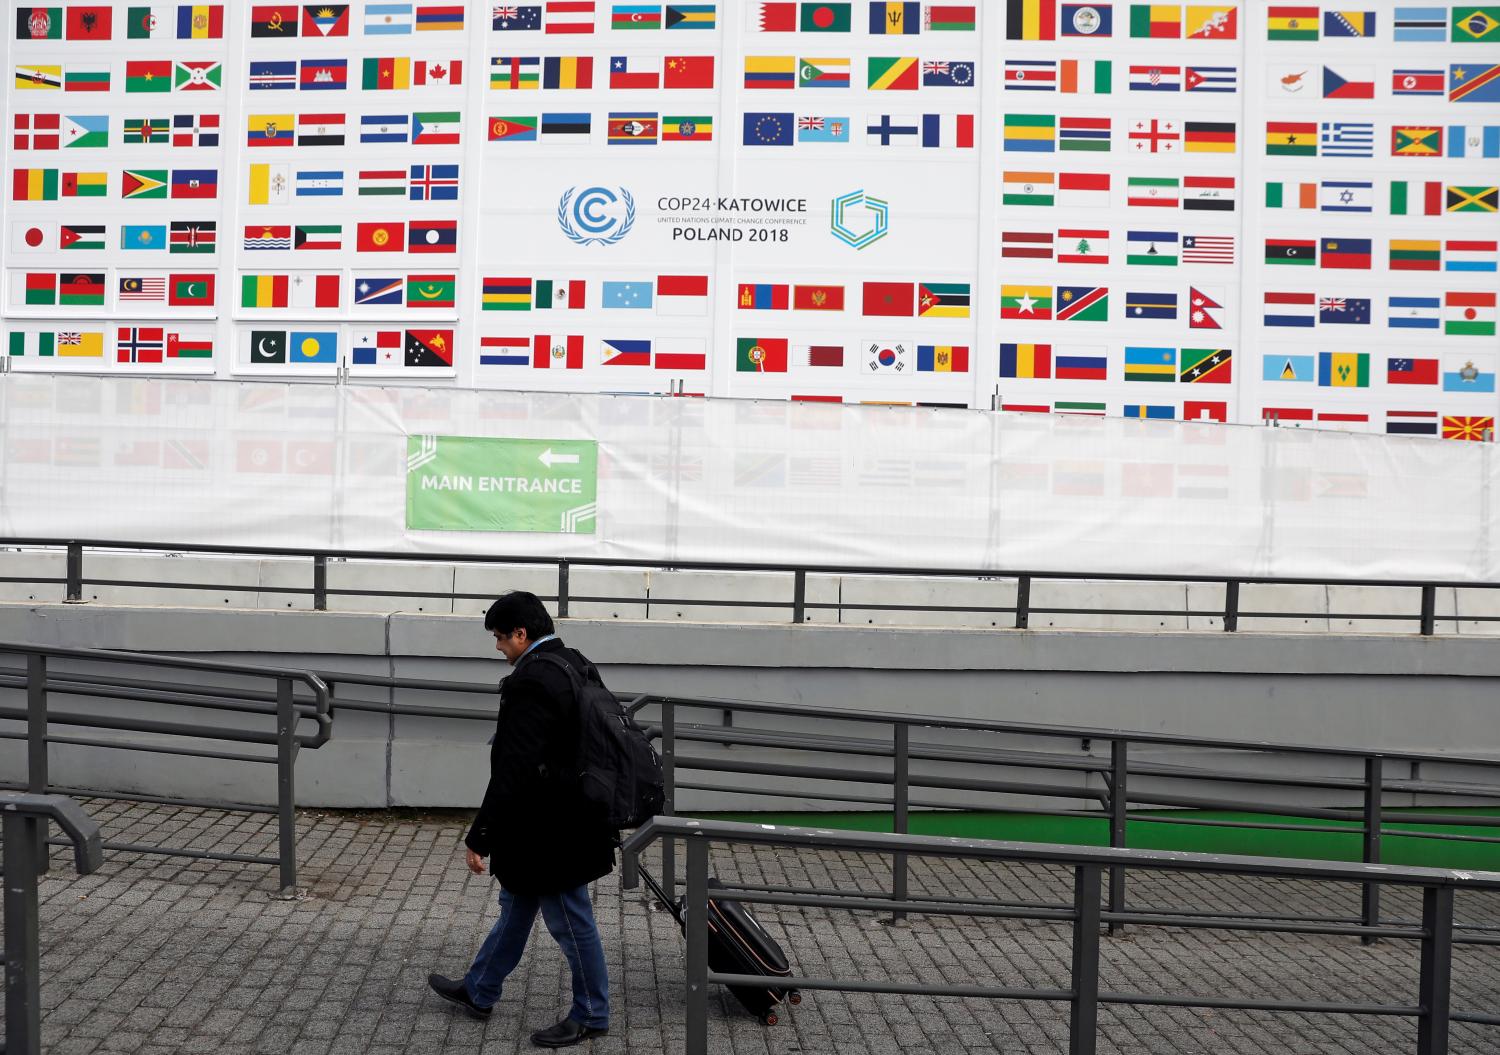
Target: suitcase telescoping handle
[[671, 905]]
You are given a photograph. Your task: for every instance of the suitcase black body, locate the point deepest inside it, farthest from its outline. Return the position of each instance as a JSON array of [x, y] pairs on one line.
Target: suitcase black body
[[737, 944]]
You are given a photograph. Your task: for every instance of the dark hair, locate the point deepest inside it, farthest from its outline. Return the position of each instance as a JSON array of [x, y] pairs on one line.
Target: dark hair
[[519, 609]]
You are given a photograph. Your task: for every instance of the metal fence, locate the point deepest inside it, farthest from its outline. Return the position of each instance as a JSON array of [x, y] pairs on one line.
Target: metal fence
[[196, 720], [1419, 612], [1430, 1007]]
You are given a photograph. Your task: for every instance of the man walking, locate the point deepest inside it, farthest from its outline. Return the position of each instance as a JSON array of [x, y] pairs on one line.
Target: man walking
[[542, 844]]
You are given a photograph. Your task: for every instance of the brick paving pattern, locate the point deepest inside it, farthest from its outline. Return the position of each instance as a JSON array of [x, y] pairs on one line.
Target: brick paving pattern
[[158, 954]]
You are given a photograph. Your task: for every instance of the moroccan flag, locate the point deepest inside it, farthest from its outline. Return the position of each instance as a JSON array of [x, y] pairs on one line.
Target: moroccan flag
[[889, 299]]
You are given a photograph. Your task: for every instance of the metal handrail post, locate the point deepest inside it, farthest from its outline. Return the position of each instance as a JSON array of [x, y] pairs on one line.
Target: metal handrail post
[[901, 818], [1083, 1022], [1437, 970], [1023, 602], [669, 788], [286, 792], [1231, 606], [696, 928], [37, 775], [562, 589], [1429, 610], [799, 595], [1119, 807], [320, 583], [1374, 793], [74, 574]]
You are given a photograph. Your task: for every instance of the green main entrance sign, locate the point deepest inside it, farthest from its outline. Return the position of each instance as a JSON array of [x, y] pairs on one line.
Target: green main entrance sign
[[474, 483]]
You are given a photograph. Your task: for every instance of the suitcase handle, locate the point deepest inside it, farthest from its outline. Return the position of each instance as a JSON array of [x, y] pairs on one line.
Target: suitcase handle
[[674, 907]]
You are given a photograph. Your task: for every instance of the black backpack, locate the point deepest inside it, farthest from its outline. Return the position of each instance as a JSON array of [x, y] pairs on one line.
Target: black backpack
[[619, 772]]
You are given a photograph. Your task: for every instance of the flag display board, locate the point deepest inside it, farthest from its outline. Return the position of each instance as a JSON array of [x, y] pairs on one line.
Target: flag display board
[[1263, 212]]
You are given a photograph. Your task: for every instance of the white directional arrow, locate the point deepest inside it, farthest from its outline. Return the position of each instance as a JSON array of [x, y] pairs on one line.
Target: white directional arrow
[[549, 459]]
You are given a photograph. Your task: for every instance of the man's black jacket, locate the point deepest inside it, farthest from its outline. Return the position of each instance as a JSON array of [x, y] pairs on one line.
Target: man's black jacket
[[533, 825]]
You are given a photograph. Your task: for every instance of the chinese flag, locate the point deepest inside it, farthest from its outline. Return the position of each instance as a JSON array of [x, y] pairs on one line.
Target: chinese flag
[[688, 71]]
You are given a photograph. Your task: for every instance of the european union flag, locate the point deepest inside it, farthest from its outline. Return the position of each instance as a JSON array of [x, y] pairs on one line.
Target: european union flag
[[768, 130]]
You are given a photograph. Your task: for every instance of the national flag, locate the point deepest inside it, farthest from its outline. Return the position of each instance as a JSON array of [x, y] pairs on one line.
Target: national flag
[[1469, 314], [84, 78], [376, 237], [39, 131], [1474, 83], [1344, 311], [763, 355], [1151, 248], [312, 346], [273, 76], [1417, 82], [1154, 136], [1080, 364], [182, 346], [1469, 378], [1343, 370], [435, 128], [1474, 141], [143, 237], [143, 288], [191, 291], [685, 295], [41, 78], [1026, 302], [1472, 24], [893, 130], [513, 18], [889, 299], [942, 300], [34, 185], [195, 183], [1291, 23], [895, 18], [1211, 78], [34, 237], [1156, 21], [681, 128], [942, 358], [621, 352], [393, 73], [885, 355], [498, 351], [1472, 199], [648, 16], [1085, 77], [1035, 133], [767, 129], [1301, 252], [1347, 139], [146, 130], [325, 20], [1351, 84], [1149, 305], [632, 128], [383, 18], [820, 128], [1406, 371], [948, 130], [1208, 137], [1415, 254], [1026, 360], [505, 294], [947, 74], [1290, 309], [433, 183], [1349, 24], [1293, 368], [680, 353], [1345, 253], [691, 16], [1083, 133], [199, 75], [1156, 78], [320, 183], [89, 237], [428, 349], [811, 73], [1206, 366], [822, 355], [88, 22], [521, 129], [764, 296], [1411, 422], [1346, 196], [1027, 188], [380, 291], [1087, 20], [1201, 308], [1424, 141], [819, 297], [39, 23], [324, 75], [1153, 412], [275, 21], [190, 236], [148, 76], [1082, 304], [1208, 193], [1030, 20], [440, 18], [432, 236], [1082, 246], [318, 237], [140, 344], [267, 237], [1292, 138], [270, 130], [1211, 22], [626, 294], [1151, 364], [1026, 245], [569, 16], [1409, 197], [891, 74], [143, 183], [1426, 24], [1413, 312], [762, 72], [384, 128], [1468, 427], [1283, 195], [439, 73]]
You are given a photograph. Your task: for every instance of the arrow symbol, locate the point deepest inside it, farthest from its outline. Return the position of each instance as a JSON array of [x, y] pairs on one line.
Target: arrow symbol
[[549, 459]]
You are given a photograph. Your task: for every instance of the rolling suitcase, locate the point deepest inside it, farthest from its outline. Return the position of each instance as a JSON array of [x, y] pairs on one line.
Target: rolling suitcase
[[737, 944]]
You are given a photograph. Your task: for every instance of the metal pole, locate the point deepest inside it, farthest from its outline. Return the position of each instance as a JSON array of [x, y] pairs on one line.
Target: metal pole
[[74, 574], [37, 776], [1374, 792], [1231, 606], [696, 928], [901, 797], [1437, 967], [320, 583], [24, 833], [1119, 804], [1023, 602], [799, 596], [1429, 610], [1083, 1024], [669, 787], [562, 589], [286, 795]]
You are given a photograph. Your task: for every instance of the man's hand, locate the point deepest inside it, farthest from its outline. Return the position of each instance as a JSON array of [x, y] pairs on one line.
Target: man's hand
[[475, 862]]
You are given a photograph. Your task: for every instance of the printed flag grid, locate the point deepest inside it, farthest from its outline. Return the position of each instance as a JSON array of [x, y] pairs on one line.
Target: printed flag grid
[[1313, 206]]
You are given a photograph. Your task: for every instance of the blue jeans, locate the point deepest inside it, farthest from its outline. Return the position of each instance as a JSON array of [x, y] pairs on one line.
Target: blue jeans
[[570, 919]]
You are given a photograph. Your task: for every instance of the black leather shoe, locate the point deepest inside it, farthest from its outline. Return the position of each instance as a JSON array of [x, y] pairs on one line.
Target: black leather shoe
[[457, 994], [565, 1033]]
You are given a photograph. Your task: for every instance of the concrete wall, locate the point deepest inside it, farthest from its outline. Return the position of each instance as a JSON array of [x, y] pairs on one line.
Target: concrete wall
[[1388, 692]]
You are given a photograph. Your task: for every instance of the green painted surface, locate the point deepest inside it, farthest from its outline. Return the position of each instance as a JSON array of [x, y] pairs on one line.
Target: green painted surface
[[1146, 834]]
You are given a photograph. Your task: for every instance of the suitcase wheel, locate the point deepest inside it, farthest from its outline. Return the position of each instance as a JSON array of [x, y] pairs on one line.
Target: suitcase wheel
[[795, 996], [769, 1018]]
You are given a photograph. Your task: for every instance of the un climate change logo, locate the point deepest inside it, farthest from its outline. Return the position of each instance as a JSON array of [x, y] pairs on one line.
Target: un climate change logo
[[874, 225], [596, 215]]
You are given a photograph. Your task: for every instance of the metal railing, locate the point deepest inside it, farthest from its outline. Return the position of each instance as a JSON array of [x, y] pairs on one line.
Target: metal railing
[[181, 731], [871, 760], [1420, 613], [1431, 1007], [25, 832]]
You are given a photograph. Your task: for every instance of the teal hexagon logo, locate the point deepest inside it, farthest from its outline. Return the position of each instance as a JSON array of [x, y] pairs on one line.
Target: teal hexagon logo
[[860, 220]]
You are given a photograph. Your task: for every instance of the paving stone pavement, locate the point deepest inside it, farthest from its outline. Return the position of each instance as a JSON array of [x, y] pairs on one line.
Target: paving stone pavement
[[156, 954]]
